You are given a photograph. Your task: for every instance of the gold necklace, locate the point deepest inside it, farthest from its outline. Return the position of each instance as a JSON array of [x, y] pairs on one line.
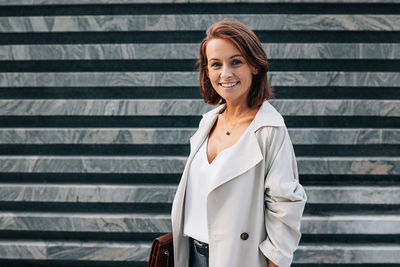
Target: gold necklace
[[228, 132]]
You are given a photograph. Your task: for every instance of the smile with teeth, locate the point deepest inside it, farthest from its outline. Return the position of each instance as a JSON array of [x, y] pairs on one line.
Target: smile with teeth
[[228, 85]]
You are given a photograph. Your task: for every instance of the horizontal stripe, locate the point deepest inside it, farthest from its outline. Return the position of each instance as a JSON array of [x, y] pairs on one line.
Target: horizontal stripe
[[287, 107], [348, 254], [191, 51], [116, 79], [171, 164], [198, 22], [78, 222], [172, 136], [100, 193]]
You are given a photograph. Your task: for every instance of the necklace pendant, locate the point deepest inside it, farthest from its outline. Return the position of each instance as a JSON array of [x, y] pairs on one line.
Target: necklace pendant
[[228, 133]]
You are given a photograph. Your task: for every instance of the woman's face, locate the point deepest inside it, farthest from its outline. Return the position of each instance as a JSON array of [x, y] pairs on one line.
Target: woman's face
[[228, 71]]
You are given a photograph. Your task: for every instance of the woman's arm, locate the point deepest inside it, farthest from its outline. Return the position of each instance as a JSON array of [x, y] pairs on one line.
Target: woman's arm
[[284, 199]]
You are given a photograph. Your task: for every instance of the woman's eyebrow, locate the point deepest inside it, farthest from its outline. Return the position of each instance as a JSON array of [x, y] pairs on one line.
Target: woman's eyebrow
[[237, 55]]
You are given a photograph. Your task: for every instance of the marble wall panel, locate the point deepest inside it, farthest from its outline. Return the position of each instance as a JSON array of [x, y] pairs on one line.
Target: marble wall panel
[[182, 135], [82, 164], [348, 254], [68, 250], [193, 107], [375, 224], [83, 193], [97, 136], [191, 51], [189, 79], [78, 222], [170, 164], [353, 195], [194, 22]]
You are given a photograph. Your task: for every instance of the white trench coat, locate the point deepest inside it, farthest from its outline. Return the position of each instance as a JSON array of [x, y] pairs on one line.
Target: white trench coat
[[255, 206]]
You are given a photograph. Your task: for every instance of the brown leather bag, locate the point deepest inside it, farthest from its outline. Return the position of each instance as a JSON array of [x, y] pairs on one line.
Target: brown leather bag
[[162, 254]]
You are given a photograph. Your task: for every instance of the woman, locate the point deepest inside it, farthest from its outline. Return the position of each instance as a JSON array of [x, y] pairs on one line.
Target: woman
[[239, 202]]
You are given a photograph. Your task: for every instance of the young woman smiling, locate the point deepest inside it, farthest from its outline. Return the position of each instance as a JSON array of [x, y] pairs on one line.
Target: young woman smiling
[[239, 202]]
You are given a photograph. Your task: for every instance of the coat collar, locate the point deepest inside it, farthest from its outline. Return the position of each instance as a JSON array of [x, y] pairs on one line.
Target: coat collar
[[250, 152], [266, 116]]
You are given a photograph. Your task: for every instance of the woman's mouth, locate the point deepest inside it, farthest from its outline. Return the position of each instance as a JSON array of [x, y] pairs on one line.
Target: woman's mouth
[[229, 85]]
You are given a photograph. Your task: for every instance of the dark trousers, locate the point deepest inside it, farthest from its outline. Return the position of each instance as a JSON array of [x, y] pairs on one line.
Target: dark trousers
[[198, 253]]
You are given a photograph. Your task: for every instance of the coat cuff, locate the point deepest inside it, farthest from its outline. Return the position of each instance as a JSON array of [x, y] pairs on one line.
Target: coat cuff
[[275, 255]]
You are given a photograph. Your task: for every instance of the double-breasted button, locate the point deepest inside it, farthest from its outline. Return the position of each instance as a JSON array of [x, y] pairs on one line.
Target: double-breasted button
[[244, 236]]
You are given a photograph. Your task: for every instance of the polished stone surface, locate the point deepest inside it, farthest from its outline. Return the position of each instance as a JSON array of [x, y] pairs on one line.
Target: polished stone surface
[[349, 165], [348, 253], [195, 22], [100, 164], [353, 195], [75, 250], [189, 79], [126, 223], [171, 164], [171, 107], [191, 51], [78, 222], [302, 136], [85, 193]]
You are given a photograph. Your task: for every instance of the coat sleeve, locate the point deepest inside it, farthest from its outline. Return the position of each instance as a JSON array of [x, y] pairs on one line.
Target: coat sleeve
[[284, 199]]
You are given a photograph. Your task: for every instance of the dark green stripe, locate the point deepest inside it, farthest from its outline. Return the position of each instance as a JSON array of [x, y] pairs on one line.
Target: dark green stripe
[[349, 238], [90, 178], [281, 92], [201, 8], [172, 65], [351, 209], [350, 180], [184, 150], [70, 263], [151, 208], [190, 121], [197, 36]]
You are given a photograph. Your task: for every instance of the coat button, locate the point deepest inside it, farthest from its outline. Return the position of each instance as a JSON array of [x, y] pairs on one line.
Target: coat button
[[244, 236]]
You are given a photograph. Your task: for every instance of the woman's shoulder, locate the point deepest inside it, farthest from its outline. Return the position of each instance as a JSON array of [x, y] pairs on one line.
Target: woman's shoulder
[[268, 117]]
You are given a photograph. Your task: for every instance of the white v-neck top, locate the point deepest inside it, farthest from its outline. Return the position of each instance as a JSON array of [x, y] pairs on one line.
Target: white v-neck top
[[201, 180]]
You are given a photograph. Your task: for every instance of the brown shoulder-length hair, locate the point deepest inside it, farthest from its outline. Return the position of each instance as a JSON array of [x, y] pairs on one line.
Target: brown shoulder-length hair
[[251, 49]]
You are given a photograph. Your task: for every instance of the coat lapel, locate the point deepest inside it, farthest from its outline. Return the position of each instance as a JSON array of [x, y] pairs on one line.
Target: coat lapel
[[247, 153]]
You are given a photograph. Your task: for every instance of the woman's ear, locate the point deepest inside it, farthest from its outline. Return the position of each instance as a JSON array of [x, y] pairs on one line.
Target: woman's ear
[[255, 71]]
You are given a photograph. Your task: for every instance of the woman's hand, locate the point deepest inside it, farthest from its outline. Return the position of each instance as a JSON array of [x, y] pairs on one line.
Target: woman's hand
[[271, 264]]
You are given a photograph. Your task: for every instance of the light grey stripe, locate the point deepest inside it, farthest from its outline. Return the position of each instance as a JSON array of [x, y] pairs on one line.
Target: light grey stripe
[[78, 222], [171, 164], [176, 107], [75, 250], [172, 136], [353, 195], [86, 193], [115, 79], [191, 51], [351, 224], [346, 254], [199, 23], [145, 223], [80, 193]]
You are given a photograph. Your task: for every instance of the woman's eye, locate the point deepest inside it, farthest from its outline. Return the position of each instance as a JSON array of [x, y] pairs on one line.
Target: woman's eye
[[216, 64], [235, 62]]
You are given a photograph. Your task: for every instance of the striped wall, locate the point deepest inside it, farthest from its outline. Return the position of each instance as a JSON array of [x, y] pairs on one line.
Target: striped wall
[[98, 100]]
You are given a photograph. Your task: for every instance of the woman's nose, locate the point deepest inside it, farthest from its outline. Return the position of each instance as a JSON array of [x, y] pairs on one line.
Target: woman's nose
[[226, 72]]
